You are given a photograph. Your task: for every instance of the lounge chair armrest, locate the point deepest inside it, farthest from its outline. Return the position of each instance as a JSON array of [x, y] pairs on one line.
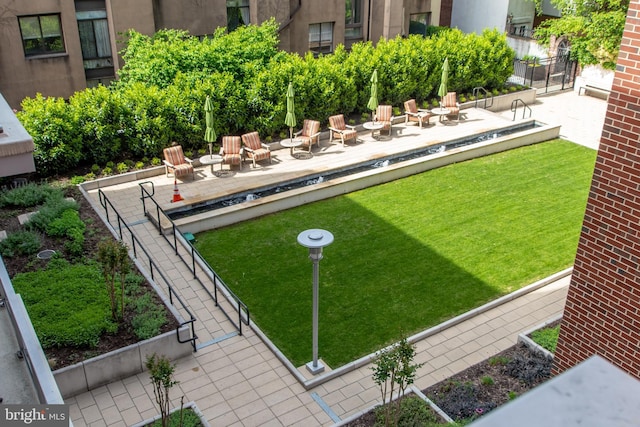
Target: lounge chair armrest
[[350, 127], [335, 130], [423, 110], [188, 160], [250, 150], [263, 145], [314, 135], [168, 164], [297, 133]]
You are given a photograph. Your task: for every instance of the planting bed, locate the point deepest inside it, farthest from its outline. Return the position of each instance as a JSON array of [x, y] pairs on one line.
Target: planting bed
[[483, 387], [95, 233]]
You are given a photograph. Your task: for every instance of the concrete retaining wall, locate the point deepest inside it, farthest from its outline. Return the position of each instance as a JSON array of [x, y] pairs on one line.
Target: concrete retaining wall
[[122, 363], [281, 201]]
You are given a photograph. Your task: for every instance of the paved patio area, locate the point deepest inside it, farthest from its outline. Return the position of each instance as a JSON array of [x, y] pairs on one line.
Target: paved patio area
[[236, 380]]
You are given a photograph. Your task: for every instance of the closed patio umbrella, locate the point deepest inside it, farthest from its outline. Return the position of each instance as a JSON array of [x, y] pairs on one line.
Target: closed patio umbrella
[[373, 98], [290, 118], [209, 133], [442, 90]]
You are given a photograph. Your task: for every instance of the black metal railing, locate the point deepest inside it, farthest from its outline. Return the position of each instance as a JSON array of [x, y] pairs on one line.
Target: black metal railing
[[155, 272], [525, 107], [477, 91], [193, 259], [558, 71]]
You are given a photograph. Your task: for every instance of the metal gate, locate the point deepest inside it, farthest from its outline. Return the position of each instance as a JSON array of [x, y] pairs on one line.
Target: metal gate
[[555, 73]]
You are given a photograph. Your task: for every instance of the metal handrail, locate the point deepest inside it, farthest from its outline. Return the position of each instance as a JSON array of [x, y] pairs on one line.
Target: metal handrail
[[195, 259], [487, 94], [154, 270], [514, 107]]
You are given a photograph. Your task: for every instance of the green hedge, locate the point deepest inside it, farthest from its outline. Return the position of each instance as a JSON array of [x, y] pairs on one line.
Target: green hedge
[[160, 93]]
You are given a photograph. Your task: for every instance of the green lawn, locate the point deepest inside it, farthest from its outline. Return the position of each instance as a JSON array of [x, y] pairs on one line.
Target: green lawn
[[408, 254]]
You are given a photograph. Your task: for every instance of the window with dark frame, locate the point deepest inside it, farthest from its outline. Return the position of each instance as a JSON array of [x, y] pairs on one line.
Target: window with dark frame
[[419, 22], [94, 34], [41, 34], [353, 19], [321, 38], [237, 14], [95, 43]]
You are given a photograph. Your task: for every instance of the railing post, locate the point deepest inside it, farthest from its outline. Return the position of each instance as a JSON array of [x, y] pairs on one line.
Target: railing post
[[193, 261], [207, 268]]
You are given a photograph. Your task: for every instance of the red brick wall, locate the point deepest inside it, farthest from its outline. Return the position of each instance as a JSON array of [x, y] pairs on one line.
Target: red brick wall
[[602, 312]]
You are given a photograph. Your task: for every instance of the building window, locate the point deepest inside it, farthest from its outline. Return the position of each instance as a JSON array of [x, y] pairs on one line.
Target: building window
[[237, 14], [321, 38], [94, 34], [95, 43], [419, 23], [41, 35], [353, 19]]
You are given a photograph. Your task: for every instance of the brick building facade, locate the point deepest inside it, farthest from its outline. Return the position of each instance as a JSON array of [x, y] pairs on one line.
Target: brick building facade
[[602, 312]]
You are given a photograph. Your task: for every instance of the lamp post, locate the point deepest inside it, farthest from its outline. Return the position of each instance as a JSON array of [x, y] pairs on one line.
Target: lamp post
[[315, 239]]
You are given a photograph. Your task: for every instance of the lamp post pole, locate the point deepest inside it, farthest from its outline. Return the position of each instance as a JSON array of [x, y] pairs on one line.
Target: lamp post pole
[[315, 240]]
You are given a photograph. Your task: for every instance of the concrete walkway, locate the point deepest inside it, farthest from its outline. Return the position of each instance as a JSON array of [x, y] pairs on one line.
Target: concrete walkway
[[237, 381]]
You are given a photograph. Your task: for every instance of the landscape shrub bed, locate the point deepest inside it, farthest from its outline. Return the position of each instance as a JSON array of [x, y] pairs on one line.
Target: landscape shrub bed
[[66, 296], [160, 94], [489, 384]]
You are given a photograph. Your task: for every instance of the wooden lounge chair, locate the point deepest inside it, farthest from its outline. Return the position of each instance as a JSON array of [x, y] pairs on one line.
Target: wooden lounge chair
[[231, 151], [384, 115], [414, 114], [450, 102], [255, 149], [176, 163], [309, 134], [339, 129]]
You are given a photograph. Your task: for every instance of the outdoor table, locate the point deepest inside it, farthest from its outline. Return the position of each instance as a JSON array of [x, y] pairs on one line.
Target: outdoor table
[[373, 127], [291, 144], [441, 112], [211, 159]]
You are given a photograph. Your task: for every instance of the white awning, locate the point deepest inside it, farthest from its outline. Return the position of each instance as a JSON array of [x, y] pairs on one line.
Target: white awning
[[16, 145]]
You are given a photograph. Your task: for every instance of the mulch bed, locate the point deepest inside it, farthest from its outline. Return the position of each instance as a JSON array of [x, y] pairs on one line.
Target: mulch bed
[[483, 387], [491, 383]]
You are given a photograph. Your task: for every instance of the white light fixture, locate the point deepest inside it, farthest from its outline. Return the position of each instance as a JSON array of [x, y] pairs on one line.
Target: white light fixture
[[315, 239]]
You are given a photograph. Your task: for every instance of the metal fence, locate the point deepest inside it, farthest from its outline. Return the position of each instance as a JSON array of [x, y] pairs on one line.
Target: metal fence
[[157, 275], [211, 283], [555, 73]]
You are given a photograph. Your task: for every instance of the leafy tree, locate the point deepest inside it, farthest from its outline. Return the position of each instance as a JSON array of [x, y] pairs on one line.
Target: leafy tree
[[161, 372], [114, 259], [594, 29], [394, 367]]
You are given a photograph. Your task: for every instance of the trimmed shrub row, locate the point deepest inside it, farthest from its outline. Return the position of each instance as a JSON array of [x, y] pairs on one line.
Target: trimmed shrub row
[[160, 94]]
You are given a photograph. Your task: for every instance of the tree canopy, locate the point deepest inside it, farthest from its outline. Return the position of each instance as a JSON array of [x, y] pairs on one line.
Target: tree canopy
[[594, 29]]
